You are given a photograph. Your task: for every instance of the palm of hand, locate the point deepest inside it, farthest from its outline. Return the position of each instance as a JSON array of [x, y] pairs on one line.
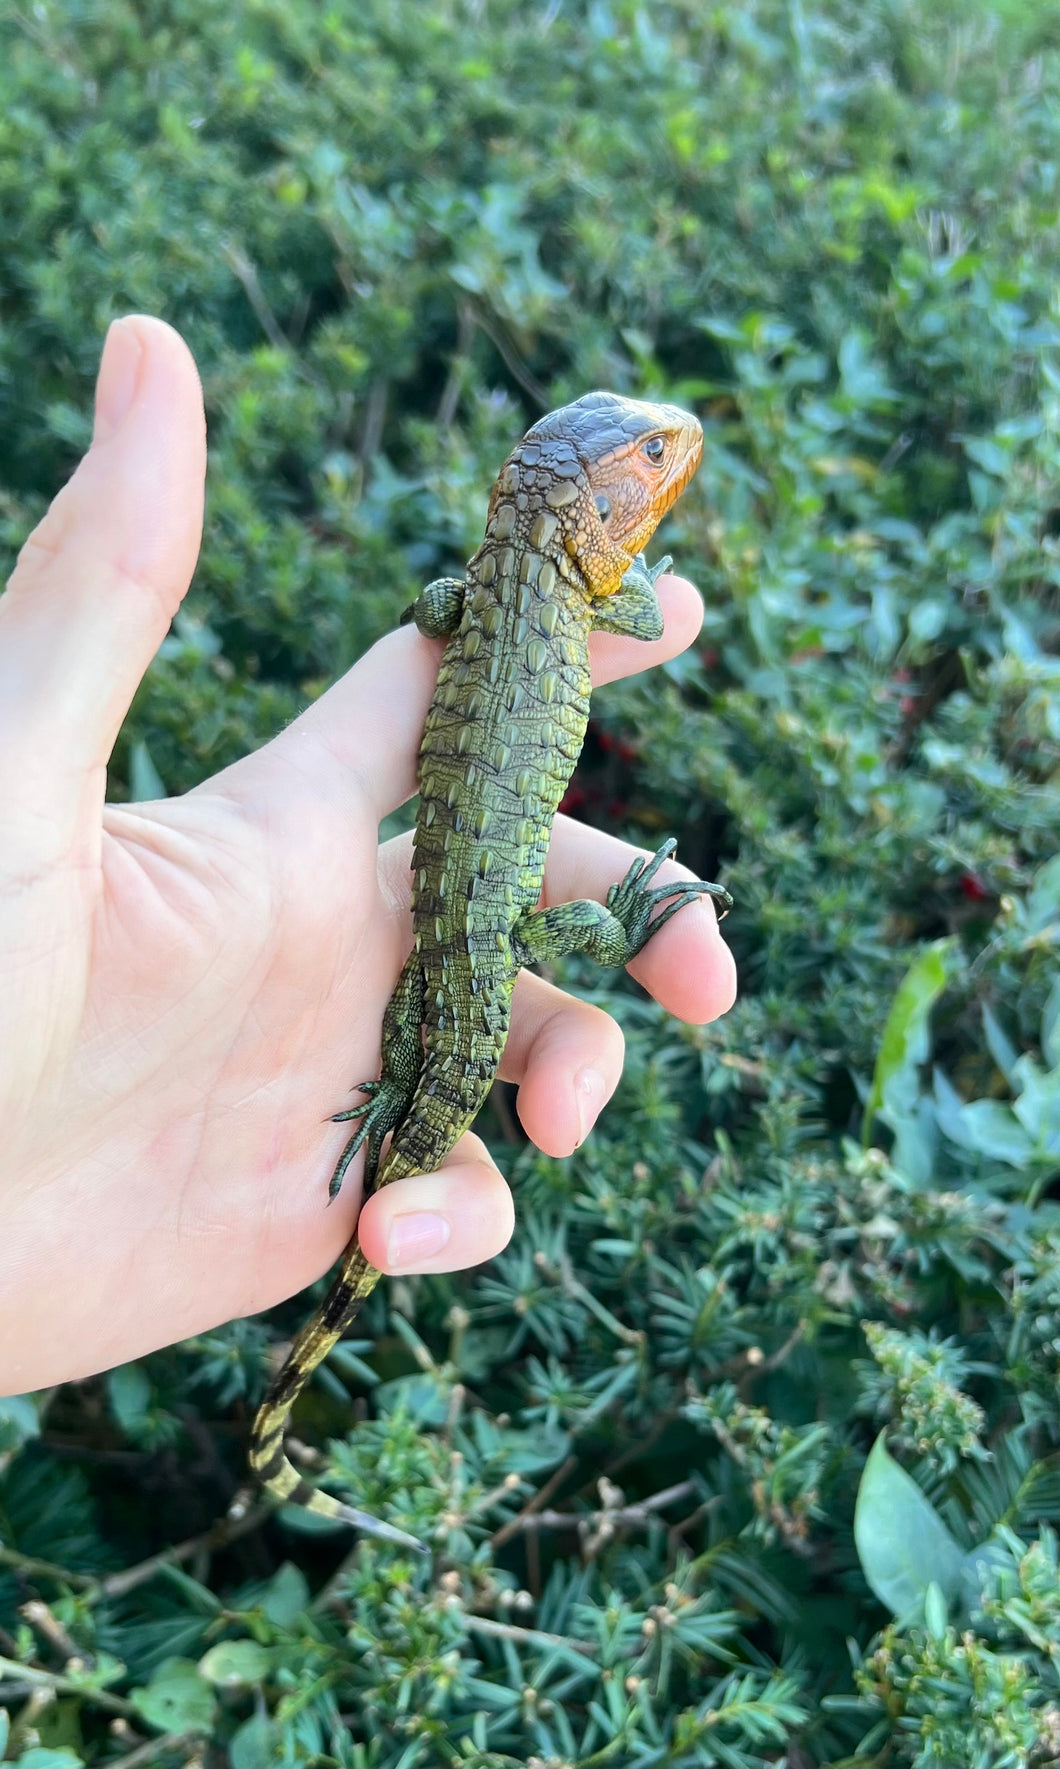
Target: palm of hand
[[212, 959]]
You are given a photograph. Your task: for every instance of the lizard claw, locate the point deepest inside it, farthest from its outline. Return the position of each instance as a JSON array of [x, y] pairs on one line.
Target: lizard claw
[[633, 901], [368, 1087]]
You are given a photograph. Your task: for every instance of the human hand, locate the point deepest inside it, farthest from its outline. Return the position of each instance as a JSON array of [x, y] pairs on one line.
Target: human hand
[[188, 989]]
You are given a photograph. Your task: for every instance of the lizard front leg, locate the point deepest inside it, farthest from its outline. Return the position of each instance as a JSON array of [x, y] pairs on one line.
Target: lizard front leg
[[389, 1098], [633, 610], [438, 609], [611, 933]]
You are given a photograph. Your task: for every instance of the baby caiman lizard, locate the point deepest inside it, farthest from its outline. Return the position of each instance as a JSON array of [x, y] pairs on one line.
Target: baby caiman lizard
[[572, 508]]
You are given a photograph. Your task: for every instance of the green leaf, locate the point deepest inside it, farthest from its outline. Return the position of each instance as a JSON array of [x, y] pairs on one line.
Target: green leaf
[[18, 1421], [1050, 1032], [1041, 906], [902, 1542], [129, 1393], [233, 1664], [935, 1612], [177, 1699], [992, 1129], [41, 1757], [999, 1045], [256, 1742], [287, 1596], [424, 1396], [145, 782], [904, 1045]]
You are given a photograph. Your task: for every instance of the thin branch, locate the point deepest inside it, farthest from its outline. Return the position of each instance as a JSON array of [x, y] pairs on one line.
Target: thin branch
[[28, 1678], [597, 1528], [150, 1750], [374, 421], [515, 1524], [564, 1275], [229, 1529], [512, 361], [458, 367], [32, 1568], [482, 1624], [246, 274]]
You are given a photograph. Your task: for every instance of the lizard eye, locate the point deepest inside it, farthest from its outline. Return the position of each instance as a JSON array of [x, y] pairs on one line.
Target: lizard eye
[[603, 506], [655, 448]]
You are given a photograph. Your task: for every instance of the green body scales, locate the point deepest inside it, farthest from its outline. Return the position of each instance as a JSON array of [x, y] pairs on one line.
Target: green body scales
[[568, 516]]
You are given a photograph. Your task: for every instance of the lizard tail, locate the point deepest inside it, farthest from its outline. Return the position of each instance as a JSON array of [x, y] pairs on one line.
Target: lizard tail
[[355, 1282], [430, 1128]]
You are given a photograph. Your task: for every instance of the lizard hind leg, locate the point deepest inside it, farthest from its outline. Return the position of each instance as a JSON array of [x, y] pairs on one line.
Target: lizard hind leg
[[388, 1099], [615, 932]]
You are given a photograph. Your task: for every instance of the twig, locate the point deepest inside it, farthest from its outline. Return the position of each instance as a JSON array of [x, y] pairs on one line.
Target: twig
[[146, 1752], [374, 420], [245, 273], [458, 367], [512, 361], [482, 1624], [598, 1527], [28, 1677], [564, 1275], [229, 1529], [39, 1616], [515, 1524], [32, 1568], [747, 1365]]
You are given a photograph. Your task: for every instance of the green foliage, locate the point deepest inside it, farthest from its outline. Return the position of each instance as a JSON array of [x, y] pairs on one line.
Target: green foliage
[[645, 1443]]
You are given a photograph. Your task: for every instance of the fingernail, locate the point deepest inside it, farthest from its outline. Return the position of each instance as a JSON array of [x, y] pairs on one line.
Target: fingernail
[[119, 372], [590, 1095], [414, 1237]]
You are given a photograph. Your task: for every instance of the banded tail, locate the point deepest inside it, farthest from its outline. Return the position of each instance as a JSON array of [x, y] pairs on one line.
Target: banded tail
[[353, 1285]]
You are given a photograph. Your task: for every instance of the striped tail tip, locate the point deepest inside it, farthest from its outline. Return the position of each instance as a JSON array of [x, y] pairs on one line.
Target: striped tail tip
[[374, 1526]]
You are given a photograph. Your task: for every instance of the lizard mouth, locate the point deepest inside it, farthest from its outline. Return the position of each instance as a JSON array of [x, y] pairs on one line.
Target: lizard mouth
[[689, 455]]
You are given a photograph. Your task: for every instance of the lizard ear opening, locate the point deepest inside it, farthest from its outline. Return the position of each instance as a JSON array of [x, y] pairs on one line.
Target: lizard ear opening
[[603, 506]]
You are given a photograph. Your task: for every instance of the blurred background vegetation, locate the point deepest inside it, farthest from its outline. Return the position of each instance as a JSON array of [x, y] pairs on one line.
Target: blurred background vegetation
[[745, 1452]]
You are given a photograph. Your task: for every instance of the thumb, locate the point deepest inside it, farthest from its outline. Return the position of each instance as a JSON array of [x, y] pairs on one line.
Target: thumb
[[100, 578]]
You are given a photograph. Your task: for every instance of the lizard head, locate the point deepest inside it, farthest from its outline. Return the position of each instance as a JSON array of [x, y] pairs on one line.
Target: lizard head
[[636, 459]]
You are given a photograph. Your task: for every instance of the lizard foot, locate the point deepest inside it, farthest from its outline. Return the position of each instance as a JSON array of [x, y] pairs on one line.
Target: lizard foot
[[633, 901], [380, 1113]]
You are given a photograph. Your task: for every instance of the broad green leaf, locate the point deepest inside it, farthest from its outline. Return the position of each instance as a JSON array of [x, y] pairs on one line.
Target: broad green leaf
[[993, 1130], [1037, 1105], [233, 1664], [129, 1393], [902, 1542], [1042, 904], [904, 1045], [145, 782], [999, 1044], [1050, 1032], [40, 1756], [177, 1699], [287, 1596], [256, 1742], [423, 1396], [18, 1421], [935, 1612]]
